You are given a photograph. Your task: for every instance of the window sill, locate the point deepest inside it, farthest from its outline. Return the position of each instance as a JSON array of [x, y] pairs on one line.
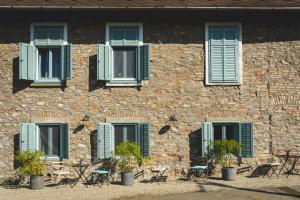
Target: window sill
[[124, 84], [224, 84], [46, 84]]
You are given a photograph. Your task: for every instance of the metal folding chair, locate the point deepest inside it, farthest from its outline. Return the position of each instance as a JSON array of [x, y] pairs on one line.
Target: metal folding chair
[[269, 164], [199, 168], [158, 174], [60, 171]]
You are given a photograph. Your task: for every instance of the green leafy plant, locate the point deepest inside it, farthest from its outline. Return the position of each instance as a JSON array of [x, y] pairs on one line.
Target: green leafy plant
[[31, 163], [130, 156], [224, 151]]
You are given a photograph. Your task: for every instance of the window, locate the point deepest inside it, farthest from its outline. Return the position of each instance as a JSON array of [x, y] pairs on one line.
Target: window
[[48, 57], [49, 140], [239, 131], [110, 135], [124, 132], [223, 46], [124, 59], [52, 139]]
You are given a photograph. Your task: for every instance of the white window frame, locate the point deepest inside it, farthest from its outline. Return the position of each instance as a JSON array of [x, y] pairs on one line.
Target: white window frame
[[113, 147], [38, 140], [65, 42], [107, 39], [240, 52]]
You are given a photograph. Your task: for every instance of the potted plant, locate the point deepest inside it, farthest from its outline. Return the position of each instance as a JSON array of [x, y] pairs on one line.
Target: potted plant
[[130, 156], [224, 152], [32, 165]]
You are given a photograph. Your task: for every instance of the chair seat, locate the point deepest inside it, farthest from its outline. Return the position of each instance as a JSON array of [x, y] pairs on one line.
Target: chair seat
[[159, 169], [199, 167], [101, 172], [272, 164], [59, 173]]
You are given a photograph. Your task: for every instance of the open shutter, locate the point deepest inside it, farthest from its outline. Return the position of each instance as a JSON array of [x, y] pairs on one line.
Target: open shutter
[[231, 36], [144, 139], [104, 62], [27, 61], [28, 137], [104, 140], [144, 62], [207, 137], [65, 141], [67, 64], [246, 139]]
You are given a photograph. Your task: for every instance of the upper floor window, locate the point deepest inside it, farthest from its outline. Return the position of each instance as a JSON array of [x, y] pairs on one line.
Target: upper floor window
[[48, 57], [124, 59], [223, 53]]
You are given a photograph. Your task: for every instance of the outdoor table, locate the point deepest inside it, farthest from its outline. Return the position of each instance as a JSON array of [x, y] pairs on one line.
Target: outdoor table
[[289, 162], [80, 170]]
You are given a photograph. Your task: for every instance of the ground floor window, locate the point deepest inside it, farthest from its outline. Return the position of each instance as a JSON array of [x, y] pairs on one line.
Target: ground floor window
[[50, 140], [242, 132], [123, 132]]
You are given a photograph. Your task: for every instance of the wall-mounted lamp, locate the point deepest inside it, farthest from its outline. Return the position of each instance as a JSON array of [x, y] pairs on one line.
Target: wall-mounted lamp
[[173, 118], [86, 118]]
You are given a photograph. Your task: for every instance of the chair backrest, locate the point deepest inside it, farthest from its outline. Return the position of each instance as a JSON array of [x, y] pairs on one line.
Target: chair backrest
[[264, 159]]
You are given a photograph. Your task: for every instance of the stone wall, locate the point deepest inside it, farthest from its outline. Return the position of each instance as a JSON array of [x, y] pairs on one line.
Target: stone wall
[[269, 96]]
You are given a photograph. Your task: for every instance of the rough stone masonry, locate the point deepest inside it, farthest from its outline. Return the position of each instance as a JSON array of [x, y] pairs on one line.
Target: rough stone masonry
[[269, 95]]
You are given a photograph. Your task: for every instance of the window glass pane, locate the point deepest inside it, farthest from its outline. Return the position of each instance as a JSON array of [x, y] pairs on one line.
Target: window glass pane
[[44, 62], [44, 139], [217, 132], [48, 32], [131, 133], [55, 140], [50, 140], [56, 62], [118, 61], [118, 134], [125, 62], [231, 132]]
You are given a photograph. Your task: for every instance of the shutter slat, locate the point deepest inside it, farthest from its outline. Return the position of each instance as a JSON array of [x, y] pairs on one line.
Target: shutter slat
[[104, 62], [246, 134], [207, 137], [144, 139], [27, 61]]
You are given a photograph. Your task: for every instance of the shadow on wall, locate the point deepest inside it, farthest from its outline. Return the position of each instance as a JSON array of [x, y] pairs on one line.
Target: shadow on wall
[[18, 85], [16, 149], [93, 82], [195, 143], [93, 141]]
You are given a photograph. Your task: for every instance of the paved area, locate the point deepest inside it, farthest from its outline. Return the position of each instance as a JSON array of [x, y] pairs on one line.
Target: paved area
[[243, 187], [234, 194]]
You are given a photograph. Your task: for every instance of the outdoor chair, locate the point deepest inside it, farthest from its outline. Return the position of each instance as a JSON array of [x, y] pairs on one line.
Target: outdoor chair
[[159, 174], [268, 165], [60, 171], [199, 168], [101, 174]]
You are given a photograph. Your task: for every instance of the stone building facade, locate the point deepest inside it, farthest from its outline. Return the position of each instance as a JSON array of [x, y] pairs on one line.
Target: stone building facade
[[269, 95]]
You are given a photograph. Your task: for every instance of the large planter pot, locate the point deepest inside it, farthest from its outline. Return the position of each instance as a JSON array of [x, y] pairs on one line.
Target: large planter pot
[[127, 178], [228, 173], [37, 182]]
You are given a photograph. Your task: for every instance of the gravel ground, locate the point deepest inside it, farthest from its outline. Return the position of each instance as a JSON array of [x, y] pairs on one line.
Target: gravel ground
[[145, 189]]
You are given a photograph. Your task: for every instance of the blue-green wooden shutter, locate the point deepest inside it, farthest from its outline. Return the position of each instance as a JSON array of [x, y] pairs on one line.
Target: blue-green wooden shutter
[[104, 140], [231, 69], [28, 137], [207, 137], [144, 62], [223, 54], [27, 61], [48, 35], [104, 62], [144, 139], [67, 62], [246, 139], [124, 35], [65, 138]]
